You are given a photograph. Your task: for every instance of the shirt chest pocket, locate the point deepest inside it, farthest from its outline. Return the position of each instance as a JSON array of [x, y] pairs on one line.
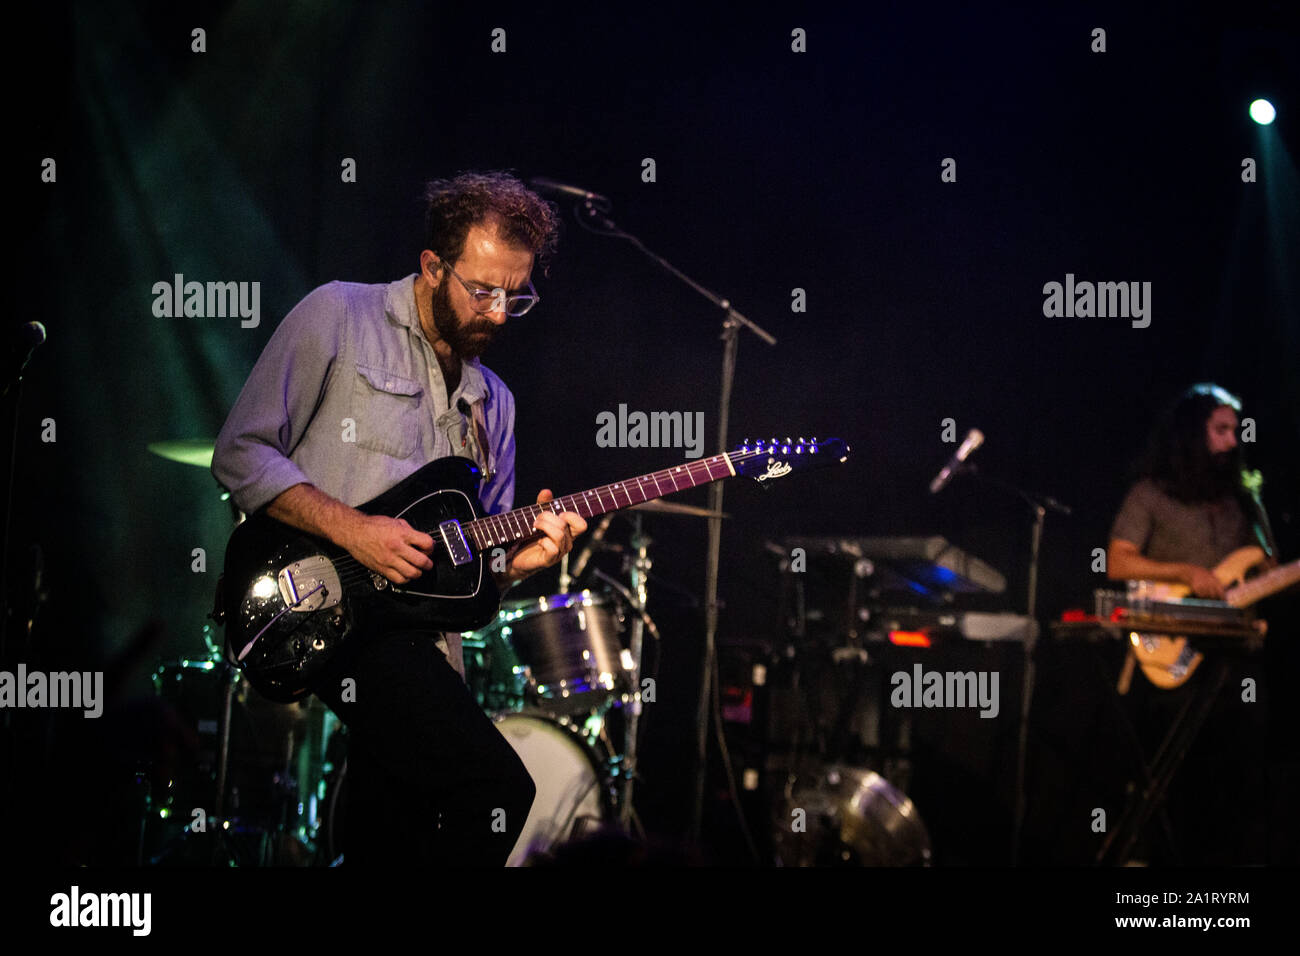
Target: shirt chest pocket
[[387, 409]]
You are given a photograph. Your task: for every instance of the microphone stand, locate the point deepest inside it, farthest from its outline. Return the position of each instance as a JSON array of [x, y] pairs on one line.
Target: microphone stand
[[10, 418], [10, 401], [1039, 505], [592, 218]]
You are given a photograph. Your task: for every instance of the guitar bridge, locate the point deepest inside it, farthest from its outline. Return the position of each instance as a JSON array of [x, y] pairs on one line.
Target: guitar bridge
[[310, 584], [453, 538]]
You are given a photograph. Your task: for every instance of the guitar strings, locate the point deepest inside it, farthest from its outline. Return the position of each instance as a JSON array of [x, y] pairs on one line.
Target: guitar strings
[[352, 573]]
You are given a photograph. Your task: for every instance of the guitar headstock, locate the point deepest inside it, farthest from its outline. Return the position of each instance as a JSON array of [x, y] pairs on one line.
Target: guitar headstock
[[774, 458]]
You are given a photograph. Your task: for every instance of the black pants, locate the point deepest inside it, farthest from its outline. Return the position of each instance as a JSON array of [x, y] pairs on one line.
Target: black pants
[[430, 779]]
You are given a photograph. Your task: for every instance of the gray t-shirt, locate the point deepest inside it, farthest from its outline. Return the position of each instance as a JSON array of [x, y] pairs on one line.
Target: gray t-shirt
[[1166, 529]]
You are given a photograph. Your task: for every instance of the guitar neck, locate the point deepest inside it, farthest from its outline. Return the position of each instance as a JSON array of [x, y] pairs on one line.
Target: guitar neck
[[1260, 587], [512, 526]]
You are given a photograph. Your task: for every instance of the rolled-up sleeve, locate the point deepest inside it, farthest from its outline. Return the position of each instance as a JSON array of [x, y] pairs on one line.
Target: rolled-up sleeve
[[499, 494], [277, 403]]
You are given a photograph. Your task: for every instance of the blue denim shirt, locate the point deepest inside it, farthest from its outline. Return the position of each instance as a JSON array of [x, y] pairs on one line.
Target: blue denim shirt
[[349, 396]]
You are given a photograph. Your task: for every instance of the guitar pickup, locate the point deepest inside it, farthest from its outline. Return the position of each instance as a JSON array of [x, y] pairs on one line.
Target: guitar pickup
[[453, 538]]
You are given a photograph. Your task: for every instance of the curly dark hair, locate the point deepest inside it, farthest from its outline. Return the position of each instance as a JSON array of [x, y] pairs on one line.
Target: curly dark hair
[[1178, 457], [472, 198]]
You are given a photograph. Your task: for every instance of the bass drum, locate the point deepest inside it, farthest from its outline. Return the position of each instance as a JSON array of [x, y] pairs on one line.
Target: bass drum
[[569, 769]]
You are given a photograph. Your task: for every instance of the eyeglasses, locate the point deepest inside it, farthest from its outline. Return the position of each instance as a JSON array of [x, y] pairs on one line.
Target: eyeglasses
[[497, 300]]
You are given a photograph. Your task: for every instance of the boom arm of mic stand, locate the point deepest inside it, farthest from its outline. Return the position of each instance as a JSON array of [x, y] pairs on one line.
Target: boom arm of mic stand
[[609, 228], [1046, 502]]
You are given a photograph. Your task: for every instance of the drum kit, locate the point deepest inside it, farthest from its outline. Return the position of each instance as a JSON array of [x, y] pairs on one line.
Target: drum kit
[[560, 675], [243, 787], [265, 783]]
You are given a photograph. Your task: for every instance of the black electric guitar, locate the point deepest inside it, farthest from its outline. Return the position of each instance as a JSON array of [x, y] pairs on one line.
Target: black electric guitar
[[288, 598]]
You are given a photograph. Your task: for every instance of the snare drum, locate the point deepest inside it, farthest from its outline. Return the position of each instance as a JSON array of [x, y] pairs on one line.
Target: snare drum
[[569, 648], [570, 771]]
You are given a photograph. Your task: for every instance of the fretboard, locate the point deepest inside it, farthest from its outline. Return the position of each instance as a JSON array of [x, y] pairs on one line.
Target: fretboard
[[1261, 586], [512, 526]]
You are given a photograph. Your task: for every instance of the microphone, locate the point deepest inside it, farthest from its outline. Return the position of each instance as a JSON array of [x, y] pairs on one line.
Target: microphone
[[1056, 506], [580, 564], [551, 187], [974, 438]]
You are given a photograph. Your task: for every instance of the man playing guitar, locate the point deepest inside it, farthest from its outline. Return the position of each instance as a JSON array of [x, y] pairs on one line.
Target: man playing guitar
[[360, 386], [1194, 521], [1189, 509]]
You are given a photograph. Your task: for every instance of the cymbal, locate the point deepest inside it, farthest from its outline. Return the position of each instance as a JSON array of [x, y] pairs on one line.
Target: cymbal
[[187, 451], [659, 506]]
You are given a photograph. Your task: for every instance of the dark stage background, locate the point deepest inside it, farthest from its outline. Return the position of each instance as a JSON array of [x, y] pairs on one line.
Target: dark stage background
[[775, 170]]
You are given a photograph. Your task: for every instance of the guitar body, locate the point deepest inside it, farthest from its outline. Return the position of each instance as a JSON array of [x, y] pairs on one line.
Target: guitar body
[[1170, 662], [1167, 662], [291, 598]]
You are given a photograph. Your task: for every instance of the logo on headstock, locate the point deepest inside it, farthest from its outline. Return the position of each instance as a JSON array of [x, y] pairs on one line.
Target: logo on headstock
[[775, 469]]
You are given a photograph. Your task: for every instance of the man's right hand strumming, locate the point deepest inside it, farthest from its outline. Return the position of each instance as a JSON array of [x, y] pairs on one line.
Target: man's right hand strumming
[[388, 546], [1125, 562]]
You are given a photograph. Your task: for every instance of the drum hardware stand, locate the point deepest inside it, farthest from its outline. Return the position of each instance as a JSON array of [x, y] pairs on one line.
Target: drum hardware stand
[[215, 822], [565, 581], [637, 599], [640, 569], [144, 791], [223, 757], [231, 679], [285, 796]]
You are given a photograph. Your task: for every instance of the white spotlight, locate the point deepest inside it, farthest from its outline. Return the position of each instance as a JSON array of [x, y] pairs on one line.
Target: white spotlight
[[1262, 112]]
